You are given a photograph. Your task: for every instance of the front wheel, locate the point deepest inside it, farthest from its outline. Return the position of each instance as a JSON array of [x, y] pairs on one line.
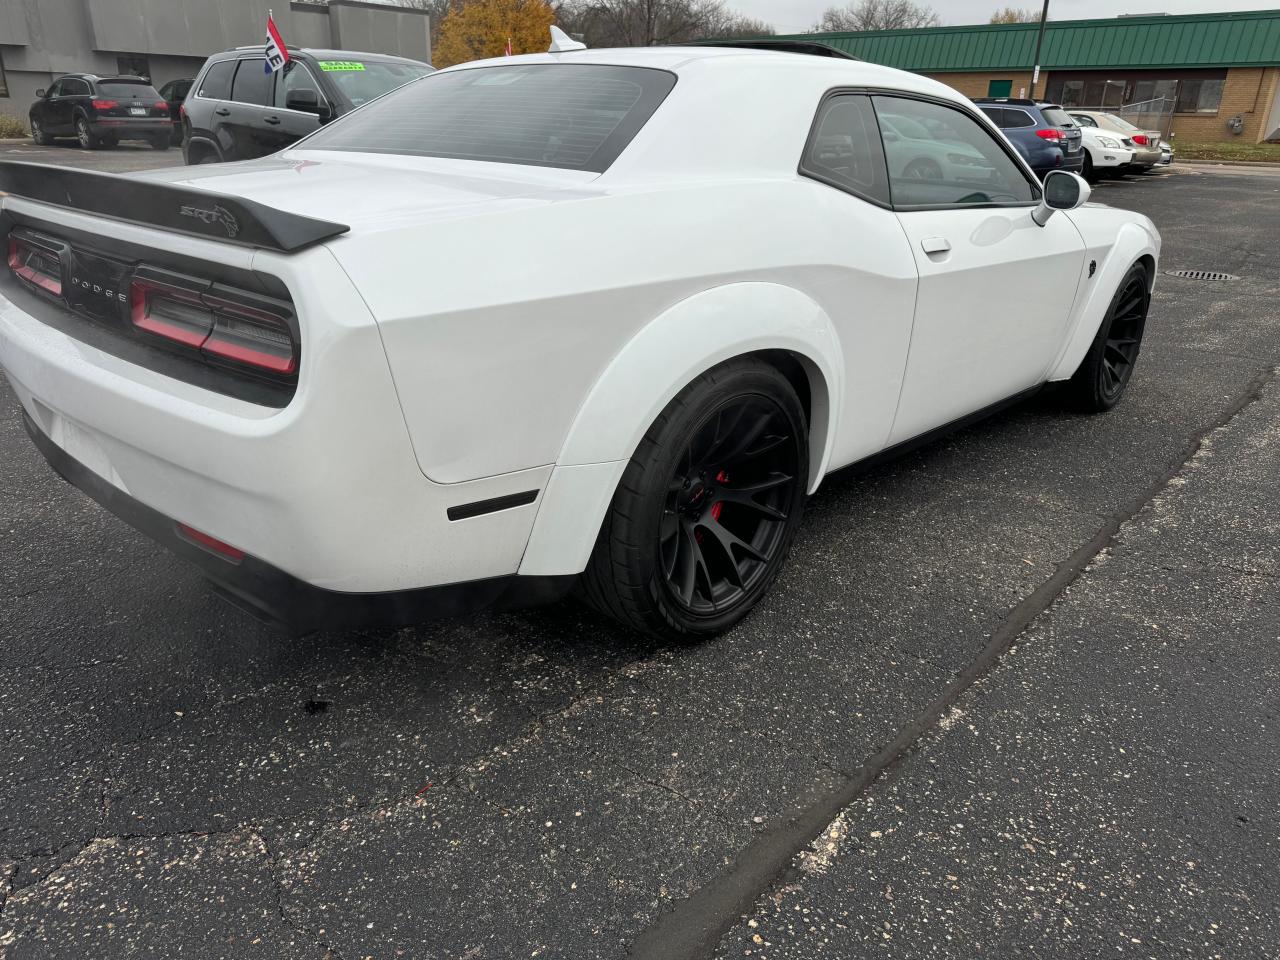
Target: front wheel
[[706, 510], [1104, 373], [1087, 172]]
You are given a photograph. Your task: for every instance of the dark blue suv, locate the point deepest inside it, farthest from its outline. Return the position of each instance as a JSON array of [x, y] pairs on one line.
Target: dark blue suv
[[1043, 133]]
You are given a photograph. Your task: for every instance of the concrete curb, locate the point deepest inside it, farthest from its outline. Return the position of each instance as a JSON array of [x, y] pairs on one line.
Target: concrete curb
[[1229, 163], [15, 139]]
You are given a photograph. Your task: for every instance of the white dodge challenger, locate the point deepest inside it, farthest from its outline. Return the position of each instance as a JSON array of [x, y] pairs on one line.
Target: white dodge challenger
[[597, 318]]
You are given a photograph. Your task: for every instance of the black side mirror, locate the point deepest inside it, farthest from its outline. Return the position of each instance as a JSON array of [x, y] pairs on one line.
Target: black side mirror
[[307, 101]]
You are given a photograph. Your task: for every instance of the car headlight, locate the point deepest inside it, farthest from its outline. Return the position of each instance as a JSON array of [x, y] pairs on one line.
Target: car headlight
[[1108, 142]]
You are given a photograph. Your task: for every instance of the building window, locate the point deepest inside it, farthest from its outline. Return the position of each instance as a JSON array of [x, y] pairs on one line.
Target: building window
[[133, 65], [4, 87], [1200, 96], [1145, 91]]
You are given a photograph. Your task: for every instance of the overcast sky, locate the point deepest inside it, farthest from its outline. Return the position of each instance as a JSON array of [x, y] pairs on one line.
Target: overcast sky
[[792, 16]]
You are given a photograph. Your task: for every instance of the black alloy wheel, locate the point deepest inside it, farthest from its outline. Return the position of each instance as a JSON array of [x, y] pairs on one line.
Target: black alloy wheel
[[1124, 335], [1107, 368], [727, 504], [707, 507]]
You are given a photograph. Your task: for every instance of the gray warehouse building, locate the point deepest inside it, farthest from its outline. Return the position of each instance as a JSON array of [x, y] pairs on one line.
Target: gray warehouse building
[[169, 39]]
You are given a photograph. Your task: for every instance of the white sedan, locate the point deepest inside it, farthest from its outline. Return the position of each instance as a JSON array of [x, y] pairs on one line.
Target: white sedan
[[1103, 152], [602, 318]]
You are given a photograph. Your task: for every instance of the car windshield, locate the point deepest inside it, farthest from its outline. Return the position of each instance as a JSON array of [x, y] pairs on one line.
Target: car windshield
[[573, 116], [127, 89], [362, 80]]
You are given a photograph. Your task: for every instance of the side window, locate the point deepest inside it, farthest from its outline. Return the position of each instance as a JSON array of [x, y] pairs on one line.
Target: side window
[[1018, 118], [55, 90], [252, 83], [1084, 120], [997, 115], [75, 88], [295, 77], [960, 163], [216, 82], [844, 148]]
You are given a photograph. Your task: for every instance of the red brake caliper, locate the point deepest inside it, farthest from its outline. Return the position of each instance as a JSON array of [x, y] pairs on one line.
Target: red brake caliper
[[718, 506]]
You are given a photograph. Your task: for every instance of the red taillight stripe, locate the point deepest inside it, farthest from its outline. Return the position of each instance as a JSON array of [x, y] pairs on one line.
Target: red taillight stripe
[[233, 351], [21, 269], [212, 544]]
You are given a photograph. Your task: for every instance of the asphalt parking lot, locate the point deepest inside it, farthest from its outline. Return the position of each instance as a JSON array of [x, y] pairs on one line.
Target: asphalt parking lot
[[1015, 694]]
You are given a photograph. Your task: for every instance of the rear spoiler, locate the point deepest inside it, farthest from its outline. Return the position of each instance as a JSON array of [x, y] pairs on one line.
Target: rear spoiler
[[200, 213]]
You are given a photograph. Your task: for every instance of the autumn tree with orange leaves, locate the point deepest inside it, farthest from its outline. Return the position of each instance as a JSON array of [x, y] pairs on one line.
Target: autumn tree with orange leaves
[[475, 29]]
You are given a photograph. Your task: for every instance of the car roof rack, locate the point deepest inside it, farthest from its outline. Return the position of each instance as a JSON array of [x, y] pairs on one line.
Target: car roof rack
[[1016, 101], [810, 47]]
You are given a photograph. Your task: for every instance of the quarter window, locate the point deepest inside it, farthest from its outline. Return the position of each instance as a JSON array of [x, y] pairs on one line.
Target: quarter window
[[71, 87], [844, 149], [959, 163], [1020, 118], [216, 82], [252, 83]]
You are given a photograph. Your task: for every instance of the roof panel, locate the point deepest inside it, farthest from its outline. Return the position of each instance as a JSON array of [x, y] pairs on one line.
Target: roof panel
[[1248, 38]]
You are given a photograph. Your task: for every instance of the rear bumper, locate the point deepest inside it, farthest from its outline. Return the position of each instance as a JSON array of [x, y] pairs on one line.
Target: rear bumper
[[128, 128], [273, 595], [326, 490]]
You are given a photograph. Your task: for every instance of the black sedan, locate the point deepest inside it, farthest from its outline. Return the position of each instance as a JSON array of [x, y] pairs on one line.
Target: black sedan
[[101, 111]]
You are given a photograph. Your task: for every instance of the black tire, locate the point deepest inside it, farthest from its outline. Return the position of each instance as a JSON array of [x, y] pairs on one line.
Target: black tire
[[84, 136], [160, 143], [1087, 171], [1100, 381], [725, 466], [38, 136]]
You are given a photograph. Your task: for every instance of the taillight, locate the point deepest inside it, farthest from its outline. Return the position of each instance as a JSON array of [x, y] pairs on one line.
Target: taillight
[[1057, 136], [35, 264], [221, 324], [1140, 139], [105, 104], [162, 105], [169, 311]]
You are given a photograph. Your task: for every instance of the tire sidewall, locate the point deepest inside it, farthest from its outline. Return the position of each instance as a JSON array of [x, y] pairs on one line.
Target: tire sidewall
[[760, 380], [1097, 351]]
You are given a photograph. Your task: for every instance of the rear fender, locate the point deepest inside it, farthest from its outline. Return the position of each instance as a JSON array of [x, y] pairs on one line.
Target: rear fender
[[656, 364], [1132, 242]]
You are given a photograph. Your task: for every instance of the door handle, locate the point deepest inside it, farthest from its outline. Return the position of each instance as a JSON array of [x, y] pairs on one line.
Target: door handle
[[271, 120], [223, 112], [935, 244]]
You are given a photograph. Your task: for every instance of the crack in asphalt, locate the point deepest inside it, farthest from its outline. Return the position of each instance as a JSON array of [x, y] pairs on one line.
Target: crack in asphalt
[[691, 929]]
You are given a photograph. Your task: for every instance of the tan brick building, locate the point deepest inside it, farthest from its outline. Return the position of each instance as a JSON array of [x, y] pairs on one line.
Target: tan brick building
[[1212, 77]]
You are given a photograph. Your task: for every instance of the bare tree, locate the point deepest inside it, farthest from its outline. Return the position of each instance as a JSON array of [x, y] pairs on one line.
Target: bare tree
[[877, 15], [1015, 15], [644, 23]]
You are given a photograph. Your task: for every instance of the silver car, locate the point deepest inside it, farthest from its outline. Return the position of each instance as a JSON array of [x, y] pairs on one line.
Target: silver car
[[1145, 144]]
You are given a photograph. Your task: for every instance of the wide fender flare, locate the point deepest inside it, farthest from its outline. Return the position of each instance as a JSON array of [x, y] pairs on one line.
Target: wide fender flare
[[664, 357], [1131, 244]]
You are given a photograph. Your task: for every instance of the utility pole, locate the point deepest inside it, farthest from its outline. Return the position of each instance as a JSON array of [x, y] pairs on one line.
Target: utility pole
[[1035, 74]]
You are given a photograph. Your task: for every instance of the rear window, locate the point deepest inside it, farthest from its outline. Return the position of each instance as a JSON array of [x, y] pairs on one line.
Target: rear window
[[362, 80], [123, 89], [573, 116], [1057, 116]]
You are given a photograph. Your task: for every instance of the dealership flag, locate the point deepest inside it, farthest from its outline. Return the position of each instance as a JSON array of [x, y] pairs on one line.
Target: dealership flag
[[277, 52], [509, 52]]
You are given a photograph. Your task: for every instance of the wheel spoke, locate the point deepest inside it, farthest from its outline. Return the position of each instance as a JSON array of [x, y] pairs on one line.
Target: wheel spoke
[[686, 566], [731, 541], [745, 499]]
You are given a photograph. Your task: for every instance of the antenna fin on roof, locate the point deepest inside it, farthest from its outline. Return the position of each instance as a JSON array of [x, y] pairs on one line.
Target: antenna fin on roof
[[561, 42]]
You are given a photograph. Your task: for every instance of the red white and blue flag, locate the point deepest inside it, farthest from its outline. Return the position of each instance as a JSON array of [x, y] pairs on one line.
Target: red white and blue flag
[[277, 52]]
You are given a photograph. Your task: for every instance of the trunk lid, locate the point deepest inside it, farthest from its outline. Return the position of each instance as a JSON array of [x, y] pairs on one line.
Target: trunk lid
[[373, 193]]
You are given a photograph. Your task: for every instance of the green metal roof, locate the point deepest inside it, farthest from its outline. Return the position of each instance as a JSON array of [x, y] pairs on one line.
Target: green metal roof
[[1248, 39]]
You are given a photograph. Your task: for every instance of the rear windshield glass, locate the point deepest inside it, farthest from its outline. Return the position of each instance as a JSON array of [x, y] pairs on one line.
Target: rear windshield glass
[[362, 80], [124, 89], [1057, 116], [574, 116]]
